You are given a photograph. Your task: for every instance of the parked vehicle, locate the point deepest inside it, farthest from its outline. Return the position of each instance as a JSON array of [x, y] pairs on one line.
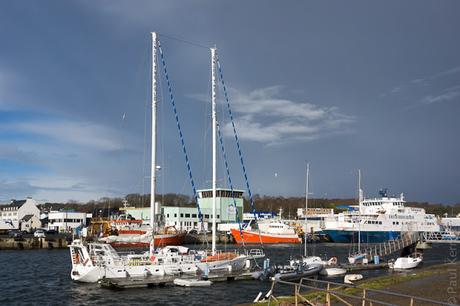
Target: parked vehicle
[[15, 234], [39, 233]]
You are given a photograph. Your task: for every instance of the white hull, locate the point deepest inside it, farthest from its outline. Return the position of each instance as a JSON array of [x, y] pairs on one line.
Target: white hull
[[405, 263], [333, 271]]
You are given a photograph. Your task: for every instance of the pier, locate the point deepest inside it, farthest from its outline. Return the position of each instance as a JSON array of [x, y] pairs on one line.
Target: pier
[[29, 243]]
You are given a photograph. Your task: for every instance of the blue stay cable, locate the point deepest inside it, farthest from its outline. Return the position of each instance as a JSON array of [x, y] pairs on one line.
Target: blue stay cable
[[240, 154], [184, 150], [230, 181]]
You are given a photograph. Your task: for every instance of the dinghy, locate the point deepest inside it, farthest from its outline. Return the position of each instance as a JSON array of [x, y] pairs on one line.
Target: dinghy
[[191, 282], [332, 271], [350, 278], [404, 263], [291, 273]]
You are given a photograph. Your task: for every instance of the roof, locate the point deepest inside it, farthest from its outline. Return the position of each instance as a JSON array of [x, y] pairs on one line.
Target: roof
[[27, 218], [16, 203]]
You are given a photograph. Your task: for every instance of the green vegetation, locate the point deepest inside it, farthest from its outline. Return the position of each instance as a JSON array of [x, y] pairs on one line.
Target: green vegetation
[[375, 283], [262, 203]]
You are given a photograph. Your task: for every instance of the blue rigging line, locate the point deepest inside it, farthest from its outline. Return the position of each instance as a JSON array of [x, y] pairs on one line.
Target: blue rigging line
[[230, 181], [176, 115], [253, 208]]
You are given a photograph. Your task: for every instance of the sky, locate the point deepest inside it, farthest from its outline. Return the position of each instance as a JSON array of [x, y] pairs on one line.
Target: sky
[[343, 85]]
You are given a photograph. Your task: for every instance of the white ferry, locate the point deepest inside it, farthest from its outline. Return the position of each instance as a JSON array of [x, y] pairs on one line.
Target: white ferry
[[378, 220]]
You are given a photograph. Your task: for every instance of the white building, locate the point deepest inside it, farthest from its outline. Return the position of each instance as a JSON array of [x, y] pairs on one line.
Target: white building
[[186, 217], [29, 222], [11, 215], [66, 221]]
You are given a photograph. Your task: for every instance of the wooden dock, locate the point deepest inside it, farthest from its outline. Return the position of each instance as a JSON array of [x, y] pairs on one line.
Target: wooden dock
[[363, 267]]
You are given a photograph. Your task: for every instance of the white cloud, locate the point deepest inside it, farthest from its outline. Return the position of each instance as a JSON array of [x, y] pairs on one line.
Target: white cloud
[[82, 134], [263, 116], [447, 95]]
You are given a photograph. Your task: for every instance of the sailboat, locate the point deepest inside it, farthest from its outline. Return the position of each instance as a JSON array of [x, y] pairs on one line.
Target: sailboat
[[357, 256], [94, 261], [217, 259]]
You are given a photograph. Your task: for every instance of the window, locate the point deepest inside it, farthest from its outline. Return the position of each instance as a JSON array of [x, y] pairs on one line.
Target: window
[[175, 215], [187, 215], [181, 215], [218, 216], [167, 215], [206, 216], [193, 215]]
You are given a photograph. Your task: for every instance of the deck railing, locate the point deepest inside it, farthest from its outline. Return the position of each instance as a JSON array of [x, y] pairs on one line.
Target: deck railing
[[331, 290]]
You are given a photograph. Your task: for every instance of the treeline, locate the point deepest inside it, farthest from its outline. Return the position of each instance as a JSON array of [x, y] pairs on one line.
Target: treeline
[[289, 205]]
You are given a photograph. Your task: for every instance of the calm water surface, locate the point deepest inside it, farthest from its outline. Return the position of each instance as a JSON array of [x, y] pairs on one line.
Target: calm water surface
[[42, 277]]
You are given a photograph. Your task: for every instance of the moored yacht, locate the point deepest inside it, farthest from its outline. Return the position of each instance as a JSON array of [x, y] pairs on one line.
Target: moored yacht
[[378, 220], [268, 231]]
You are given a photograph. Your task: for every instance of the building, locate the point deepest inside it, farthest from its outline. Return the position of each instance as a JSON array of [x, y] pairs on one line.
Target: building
[[314, 211], [11, 215], [186, 217], [29, 222], [67, 221], [260, 215]]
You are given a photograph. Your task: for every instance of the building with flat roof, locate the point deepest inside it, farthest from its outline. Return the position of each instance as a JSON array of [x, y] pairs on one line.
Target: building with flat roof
[[186, 217], [67, 221]]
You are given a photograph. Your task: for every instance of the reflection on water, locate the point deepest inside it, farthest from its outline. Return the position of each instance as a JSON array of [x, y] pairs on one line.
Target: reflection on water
[[42, 277]]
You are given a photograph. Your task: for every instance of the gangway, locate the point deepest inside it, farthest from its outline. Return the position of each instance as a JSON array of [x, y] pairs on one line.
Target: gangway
[[408, 239], [440, 237]]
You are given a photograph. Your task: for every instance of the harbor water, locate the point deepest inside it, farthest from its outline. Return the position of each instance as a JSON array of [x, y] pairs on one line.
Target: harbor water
[[42, 277]]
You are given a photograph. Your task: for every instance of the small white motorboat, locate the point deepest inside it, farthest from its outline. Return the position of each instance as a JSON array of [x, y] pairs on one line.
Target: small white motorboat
[[404, 263], [332, 271], [191, 282], [355, 258], [350, 278]]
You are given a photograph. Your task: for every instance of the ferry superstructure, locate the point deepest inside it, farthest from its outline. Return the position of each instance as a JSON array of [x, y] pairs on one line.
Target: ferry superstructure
[[378, 220]]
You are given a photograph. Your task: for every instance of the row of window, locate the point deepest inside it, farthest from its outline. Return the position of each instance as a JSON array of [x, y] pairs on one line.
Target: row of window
[[380, 203], [222, 194], [373, 222], [9, 208], [401, 217], [188, 216], [9, 214], [65, 220]]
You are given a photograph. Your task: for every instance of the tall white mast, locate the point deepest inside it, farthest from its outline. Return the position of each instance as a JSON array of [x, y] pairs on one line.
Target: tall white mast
[[214, 157], [360, 201], [306, 208], [154, 134]]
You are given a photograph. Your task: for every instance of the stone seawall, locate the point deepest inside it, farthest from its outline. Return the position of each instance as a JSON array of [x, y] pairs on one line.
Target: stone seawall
[[200, 238], [32, 243]]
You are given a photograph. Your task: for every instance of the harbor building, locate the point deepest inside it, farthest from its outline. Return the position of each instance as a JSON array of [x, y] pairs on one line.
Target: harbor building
[[67, 221], [186, 217], [13, 215], [29, 222]]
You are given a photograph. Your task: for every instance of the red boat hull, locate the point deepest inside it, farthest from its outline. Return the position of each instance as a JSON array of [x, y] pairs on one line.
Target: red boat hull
[[160, 240], [254, 237]]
